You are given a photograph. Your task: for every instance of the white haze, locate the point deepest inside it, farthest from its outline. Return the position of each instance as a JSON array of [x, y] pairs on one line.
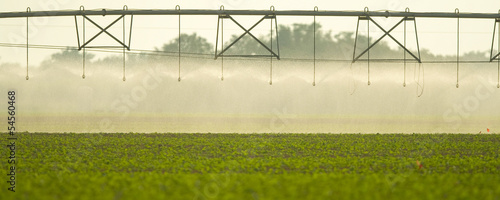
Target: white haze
[[57, 99]]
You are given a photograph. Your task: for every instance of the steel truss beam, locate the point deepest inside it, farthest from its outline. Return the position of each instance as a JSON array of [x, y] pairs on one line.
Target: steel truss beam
[[386, 33], [497, 55], [247, 31], [248, 12], [85, 44]]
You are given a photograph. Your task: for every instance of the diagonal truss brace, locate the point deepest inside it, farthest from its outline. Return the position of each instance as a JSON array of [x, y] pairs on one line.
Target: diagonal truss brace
[[104, 30], [497, 55], [247, 31], [386, 33]]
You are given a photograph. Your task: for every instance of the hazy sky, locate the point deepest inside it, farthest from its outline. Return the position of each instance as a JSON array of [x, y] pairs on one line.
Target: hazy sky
[[438, 35]]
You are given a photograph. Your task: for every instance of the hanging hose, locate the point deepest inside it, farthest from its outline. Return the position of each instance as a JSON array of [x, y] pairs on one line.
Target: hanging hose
[[404, 51], [83, 75], [124, 8], [178, 8], [83, 23], [420, 86], [353, 82], [222, 56], [368, 24], [27, 44], [124, 79], [222, 39], [498, 58], [314, 54], [404, 55], [271, 67], [404, 75], [458, 43]]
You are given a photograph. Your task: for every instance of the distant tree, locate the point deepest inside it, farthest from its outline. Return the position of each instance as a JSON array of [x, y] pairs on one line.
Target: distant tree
[[475, 55], [245, 46], [66, 56], [298, 41], [295, 41], [189, 43]]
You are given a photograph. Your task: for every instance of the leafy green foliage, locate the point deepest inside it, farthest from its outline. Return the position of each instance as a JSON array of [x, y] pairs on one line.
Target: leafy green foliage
[[257, 166], [190, 43], [64, 58]]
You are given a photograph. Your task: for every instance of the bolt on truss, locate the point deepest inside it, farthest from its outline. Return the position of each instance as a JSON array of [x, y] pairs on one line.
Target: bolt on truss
[[85, 44], [220, 29], [246, 32], [370, 45], [368, 18]]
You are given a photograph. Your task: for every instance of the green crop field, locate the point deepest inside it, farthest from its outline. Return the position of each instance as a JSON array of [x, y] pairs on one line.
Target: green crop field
[[255, 166]]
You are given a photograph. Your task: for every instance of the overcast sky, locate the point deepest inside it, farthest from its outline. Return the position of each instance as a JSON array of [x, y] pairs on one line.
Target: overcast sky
[[437, 35]]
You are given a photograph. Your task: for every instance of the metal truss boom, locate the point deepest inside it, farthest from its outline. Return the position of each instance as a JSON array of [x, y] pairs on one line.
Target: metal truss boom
[[387, 33], [273, 54], [105, 12], [271, 14]]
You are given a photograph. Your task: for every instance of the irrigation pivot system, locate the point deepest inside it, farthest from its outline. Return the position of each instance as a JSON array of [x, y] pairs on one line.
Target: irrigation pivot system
[[271, 15]]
